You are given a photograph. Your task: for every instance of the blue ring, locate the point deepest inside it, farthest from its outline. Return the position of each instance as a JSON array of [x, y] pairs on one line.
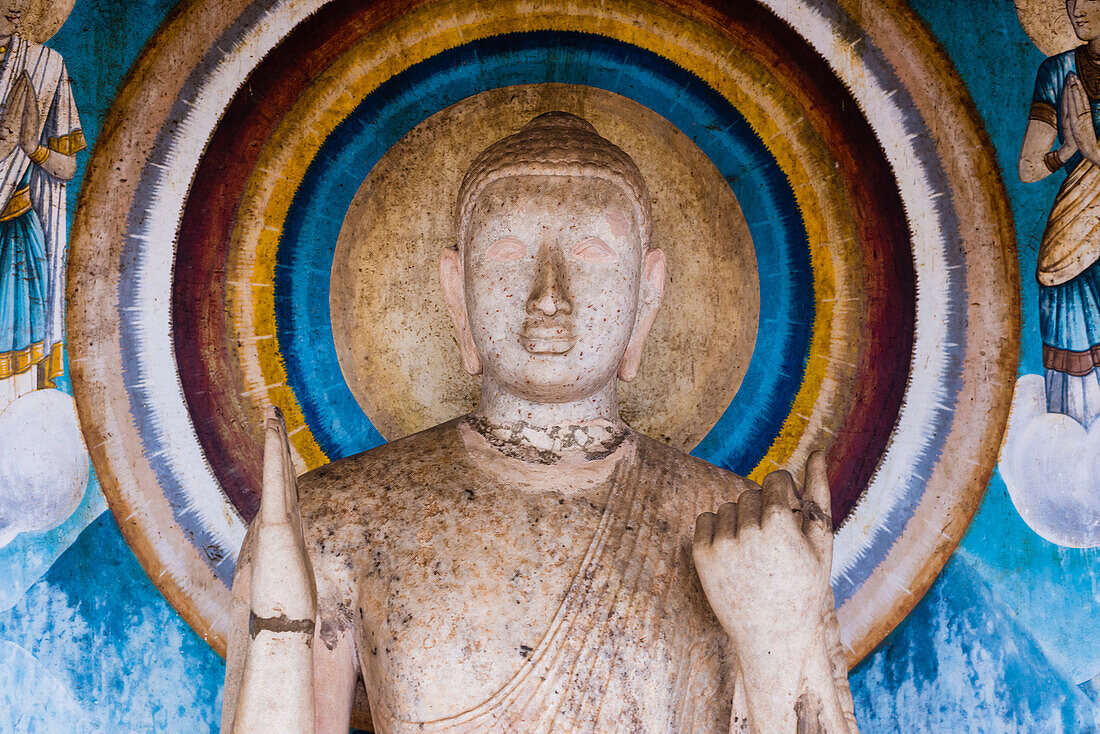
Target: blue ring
[[304, 259]]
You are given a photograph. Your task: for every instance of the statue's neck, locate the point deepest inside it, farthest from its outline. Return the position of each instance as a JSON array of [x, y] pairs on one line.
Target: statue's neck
[[498, 406], [545, 432]]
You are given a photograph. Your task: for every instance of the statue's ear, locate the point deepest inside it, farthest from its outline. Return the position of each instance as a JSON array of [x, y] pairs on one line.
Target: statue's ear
[[653, 290], [452, 282]]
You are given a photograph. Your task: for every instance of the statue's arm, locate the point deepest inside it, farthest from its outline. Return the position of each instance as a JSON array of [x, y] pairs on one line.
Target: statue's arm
[[764, 563], [274, 658], [335, 665]]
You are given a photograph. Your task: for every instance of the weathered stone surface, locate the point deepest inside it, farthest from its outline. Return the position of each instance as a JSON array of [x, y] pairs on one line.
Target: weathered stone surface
[[538, 566]]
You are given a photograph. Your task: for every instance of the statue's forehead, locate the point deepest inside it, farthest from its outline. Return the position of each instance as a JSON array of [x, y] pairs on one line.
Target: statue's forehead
[[518, 198], [525, 201]]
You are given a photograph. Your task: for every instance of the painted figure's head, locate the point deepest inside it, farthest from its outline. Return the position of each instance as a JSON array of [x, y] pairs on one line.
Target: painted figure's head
[[553, 286], [12, 15], [1085, 16]]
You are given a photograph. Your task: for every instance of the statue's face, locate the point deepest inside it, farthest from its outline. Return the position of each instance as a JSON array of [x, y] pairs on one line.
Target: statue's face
[[1085, 15], [552, 268]]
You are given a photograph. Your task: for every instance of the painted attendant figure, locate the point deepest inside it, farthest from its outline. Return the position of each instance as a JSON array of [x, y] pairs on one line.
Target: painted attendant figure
[[39, 138], [538, 566], [1062, 135]]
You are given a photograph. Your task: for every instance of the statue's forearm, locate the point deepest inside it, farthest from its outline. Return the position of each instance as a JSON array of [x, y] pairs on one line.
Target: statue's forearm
[[808, 694], [804, 697], [276, 691]]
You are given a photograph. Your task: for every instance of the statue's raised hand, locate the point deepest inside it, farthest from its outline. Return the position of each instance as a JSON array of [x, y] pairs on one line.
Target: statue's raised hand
[[764, 563], [283, 590], [276, 684]]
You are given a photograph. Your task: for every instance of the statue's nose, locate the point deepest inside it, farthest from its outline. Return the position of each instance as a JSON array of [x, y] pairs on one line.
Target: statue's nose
[[550, 292]]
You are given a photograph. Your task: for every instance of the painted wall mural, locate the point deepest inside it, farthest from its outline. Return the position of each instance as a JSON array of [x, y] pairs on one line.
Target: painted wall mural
[[881, 233]]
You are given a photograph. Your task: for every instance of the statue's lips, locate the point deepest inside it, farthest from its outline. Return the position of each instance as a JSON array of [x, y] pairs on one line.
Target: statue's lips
[[547, 339]]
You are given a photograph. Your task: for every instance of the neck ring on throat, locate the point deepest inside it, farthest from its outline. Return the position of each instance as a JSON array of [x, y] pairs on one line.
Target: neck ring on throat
[[549, 445]]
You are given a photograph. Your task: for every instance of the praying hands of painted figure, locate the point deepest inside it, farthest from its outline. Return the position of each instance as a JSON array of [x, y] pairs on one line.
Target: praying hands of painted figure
[[537, 566], [1078, 128], [21, 127]]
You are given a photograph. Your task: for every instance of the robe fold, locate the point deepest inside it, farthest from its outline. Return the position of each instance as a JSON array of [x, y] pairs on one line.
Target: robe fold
[[633, 646], [629, 642]]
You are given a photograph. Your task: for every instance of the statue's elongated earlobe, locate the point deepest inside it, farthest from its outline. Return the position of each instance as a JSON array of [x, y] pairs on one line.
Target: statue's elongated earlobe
[[653, 291], [454, 295]]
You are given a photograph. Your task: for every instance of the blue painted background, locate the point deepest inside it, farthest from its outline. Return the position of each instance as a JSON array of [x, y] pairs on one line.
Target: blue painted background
[[1004, 642]]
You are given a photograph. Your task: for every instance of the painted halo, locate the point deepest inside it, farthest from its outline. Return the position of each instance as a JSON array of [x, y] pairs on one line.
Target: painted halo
[[1047, 25], [44, 18], [388, 321], [203, 248]]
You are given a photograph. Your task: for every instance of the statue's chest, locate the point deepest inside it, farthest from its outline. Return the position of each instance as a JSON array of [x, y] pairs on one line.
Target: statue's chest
[[456, 594]]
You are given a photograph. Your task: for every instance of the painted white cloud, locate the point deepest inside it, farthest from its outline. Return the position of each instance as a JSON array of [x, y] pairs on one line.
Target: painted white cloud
[[94, 663], [34, 699], [43, 463], [1051, 466]]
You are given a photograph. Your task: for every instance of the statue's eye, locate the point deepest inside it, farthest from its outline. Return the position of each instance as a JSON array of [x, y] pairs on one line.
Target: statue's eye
[[594, 250], [506, 249]]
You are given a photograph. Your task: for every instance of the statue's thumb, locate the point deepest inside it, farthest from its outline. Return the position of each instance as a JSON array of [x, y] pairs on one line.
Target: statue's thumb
[[817, 522]]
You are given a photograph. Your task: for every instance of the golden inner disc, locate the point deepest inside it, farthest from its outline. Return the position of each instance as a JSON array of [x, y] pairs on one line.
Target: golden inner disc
[[393, 337]]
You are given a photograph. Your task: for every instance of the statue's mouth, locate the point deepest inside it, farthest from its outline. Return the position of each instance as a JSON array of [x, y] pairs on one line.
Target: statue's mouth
[[547, 338]]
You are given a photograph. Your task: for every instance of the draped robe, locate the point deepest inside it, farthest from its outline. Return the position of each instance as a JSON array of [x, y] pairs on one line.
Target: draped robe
[[1068, 268], [633, 645], [32, 284]]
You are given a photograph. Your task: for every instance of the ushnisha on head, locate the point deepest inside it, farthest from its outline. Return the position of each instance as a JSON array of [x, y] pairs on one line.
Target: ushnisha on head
[[553, 286], [554, 144]]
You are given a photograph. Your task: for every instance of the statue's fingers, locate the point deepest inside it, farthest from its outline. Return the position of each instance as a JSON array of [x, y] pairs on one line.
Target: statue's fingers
[[748, 509], [290, 479], [779, 498], [817, 480], [817, 521], [273, 505], [726, 526], [704, 529]]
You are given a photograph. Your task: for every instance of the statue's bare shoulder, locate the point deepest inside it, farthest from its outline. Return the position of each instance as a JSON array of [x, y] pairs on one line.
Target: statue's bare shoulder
[[688, 476], [366, 491]]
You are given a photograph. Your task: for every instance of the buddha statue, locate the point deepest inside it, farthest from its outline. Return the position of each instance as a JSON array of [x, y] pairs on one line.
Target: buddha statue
[[537, 565]]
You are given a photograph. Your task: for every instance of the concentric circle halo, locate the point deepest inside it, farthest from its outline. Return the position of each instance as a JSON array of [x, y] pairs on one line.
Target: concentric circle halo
[[1047, 25], [207, 243], [392, 334]]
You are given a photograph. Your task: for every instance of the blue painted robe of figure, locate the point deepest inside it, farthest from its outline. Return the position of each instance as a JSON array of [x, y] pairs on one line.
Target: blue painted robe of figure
[[1069, 254], [32, 218]]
